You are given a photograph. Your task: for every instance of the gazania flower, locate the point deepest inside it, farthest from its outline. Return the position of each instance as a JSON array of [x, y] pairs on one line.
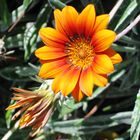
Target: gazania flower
[[36, 107], [77, 52]]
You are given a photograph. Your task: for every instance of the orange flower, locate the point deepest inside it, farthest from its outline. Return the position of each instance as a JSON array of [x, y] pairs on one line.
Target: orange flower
[[36, 106], [76, 53]]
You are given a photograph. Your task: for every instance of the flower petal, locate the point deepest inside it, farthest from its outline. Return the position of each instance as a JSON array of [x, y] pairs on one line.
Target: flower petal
[[65, 20], [86, 20], [61, 82], [77, 93], [101, 22], [102, 40], [86, 81], [100, 80], [69, 80], [102, 64], [52, 37], [59, 25], [56, 82], [114, 56], [47, 53], [51, 69], [23, 91], [69, 16]]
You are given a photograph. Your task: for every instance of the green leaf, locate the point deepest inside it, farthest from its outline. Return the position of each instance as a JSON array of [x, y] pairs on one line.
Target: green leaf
[[25, 71], [115, 92], [31, 37], [69, 106], [124, 64], [125, 104], [132, 76], [66, 1], [126, 12], [85, 2], [129, 40], [43, 16], [57, 4], [26, 3], [14, 41], [4, 13], [124, 49], [8, 115], [135, 127], [92, 125], [128, 15], [17, 73]]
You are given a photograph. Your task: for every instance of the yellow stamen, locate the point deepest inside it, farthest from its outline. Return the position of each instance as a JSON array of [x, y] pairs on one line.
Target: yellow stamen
[[80, 52]]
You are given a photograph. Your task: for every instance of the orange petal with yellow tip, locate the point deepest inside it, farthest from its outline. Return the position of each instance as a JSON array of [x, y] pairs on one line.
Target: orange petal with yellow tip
[[69, 15], [102, 40], [77, 93], [59, 25], [102, 64], [52, 37], [69, 80], [101, 22], [57, 81], [114, 56], [86, 20], [19, 103], [86, 81], [100, 80], [14, 106], [51, 69], [47, 53]]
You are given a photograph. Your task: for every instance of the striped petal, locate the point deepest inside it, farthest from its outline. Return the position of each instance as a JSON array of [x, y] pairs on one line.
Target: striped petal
[[69, 16], [69, 81], [65, 20], [52, 37], [102, 40], [61, 82], [86, 20], [59, 25], [86, 81], [51, 69], [47, 53], [102, 64]]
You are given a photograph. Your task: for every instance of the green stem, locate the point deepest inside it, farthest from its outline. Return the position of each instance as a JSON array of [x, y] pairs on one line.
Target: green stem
[[128, 28], [11, 131]]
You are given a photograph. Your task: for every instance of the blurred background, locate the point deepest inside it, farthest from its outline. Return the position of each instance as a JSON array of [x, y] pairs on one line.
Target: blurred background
[[115, 108]]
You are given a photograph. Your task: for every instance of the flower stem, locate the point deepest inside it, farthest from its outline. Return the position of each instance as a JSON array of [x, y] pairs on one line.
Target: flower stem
[[128, 28], [95, 108], [11, 131], [115, 8]]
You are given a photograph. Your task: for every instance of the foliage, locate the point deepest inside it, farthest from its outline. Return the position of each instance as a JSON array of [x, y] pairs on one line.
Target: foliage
[[20, 22]]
